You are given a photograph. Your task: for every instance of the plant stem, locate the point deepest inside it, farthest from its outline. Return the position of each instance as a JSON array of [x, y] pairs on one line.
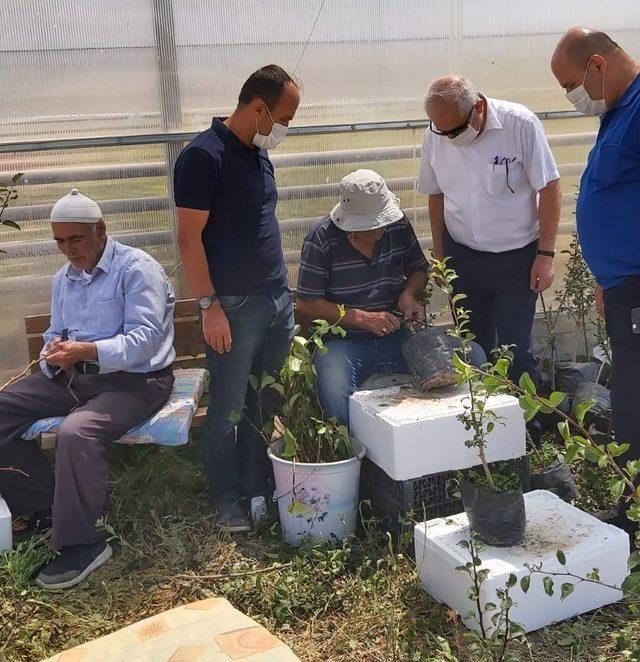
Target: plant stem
[[22, 374], [476, 583], [246, 573], [583, 431]]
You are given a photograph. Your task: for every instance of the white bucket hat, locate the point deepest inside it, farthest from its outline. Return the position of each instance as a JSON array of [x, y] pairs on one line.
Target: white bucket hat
[[75, 208], [366, 203]]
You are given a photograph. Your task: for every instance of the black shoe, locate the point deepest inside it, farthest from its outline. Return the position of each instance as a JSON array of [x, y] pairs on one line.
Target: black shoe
[[39, 524], [73, 564], [231, 517]]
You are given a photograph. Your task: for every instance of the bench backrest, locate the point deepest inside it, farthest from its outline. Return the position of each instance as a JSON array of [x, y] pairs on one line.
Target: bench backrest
[[188, 341]]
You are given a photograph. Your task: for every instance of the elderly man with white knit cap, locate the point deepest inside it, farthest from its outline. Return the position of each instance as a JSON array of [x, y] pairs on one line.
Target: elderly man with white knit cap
[[106, 366]]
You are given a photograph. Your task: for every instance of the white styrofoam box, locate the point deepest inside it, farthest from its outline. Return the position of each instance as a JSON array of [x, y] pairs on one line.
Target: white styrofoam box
[[6, 537], [552, 524], [410, 434]]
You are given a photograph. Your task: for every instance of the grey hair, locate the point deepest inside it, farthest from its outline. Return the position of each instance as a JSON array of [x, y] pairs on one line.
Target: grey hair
[[452, 89]]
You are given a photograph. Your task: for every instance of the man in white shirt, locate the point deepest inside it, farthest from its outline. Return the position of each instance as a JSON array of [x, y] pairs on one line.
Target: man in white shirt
[[494, 208]]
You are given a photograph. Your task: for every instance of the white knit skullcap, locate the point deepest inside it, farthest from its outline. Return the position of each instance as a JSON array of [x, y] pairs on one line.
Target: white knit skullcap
[[75, 208]]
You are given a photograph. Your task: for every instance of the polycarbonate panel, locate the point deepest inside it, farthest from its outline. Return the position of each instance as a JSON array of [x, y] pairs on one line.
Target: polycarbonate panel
[[78, 68], [136, 209]]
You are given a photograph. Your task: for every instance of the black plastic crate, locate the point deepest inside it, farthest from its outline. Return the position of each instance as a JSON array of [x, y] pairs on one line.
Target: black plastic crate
[[425, 497]]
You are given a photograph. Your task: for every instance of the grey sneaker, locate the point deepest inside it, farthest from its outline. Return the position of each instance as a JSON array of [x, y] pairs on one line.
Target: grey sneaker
[[232, 518], [72, 565]]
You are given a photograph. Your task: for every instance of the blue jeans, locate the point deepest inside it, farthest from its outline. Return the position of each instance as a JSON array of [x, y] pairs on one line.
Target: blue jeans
[[350, 361], [235, 457]]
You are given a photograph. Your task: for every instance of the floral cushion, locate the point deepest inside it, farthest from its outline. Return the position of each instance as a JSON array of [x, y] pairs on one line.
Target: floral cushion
[[210, 630], [169, 426]]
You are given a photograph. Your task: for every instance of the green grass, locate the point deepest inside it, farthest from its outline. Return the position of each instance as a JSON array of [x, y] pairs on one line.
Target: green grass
[[361, 602]]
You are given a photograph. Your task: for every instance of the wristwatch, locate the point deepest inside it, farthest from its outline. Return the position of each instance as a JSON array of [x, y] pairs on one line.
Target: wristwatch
[[547, 253], [206, 302]]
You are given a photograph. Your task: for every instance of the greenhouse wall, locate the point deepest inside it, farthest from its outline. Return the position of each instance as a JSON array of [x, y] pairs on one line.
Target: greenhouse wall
[[103, 96]]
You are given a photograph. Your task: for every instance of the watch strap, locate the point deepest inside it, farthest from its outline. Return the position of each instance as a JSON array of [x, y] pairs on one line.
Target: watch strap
[[547, 253]]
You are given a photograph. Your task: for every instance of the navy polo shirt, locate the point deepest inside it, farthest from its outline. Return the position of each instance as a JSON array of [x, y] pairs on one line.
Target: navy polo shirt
[[608, 210], [218, 173]]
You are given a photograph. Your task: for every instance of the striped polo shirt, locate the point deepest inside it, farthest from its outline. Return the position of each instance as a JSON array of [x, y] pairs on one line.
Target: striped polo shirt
[[331, 268]]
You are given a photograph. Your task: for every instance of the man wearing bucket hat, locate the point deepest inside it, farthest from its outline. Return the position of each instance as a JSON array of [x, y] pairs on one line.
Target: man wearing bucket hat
[[365, 257], [106, 367]]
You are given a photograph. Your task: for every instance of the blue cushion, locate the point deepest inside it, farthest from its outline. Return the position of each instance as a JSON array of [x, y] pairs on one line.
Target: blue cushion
[[169, 426]]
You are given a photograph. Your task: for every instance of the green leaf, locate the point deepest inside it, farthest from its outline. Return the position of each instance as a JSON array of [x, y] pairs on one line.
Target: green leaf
[[235, 417], [634, 559], [562, 559], [294, 364], [525, 582], [526, 384], [547, 582], [512, 581], [253, 380], [556, 398], [592, 454], [631, 583], [490, 606], [582, 408], [571, 452], [11, 224], [502, 366], [616, 487], [617, 449], [565, 431], [566, 590]]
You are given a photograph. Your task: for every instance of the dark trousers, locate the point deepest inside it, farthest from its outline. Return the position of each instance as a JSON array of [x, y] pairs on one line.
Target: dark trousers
[[499, 299], [110, 405], [235, 457], [625, 369]]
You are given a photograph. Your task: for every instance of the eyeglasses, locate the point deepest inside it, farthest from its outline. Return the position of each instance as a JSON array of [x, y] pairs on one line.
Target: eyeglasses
[[456, 131]]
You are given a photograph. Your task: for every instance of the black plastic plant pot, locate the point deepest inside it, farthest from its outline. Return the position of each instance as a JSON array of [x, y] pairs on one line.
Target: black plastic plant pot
[[428, 358], [556, 478], [498, 518]]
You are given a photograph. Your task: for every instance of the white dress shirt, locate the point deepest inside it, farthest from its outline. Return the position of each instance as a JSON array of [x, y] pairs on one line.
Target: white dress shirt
[[491, 186]]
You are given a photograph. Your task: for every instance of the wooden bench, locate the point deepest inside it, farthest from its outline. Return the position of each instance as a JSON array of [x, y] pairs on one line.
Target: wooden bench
[[188, 343]]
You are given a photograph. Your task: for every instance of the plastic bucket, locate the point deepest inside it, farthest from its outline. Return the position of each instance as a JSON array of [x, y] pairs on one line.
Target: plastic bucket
[[317, 501]]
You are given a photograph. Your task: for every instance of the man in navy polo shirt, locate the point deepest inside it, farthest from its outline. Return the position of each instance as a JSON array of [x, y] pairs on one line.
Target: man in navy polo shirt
[[229, 237], [601, 79]]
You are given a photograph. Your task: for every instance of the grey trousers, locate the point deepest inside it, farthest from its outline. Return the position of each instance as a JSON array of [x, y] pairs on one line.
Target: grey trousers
[[110, 405]]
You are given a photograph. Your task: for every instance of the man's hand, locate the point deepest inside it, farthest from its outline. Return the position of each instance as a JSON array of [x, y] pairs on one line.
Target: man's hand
[[542, 273], [66, 353], [216, 329], [410, 308], [599, 297], [382, 324]]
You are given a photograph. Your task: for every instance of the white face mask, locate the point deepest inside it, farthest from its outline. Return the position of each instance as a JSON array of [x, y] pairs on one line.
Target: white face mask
[[467, 136], [273, 138], [583, 103]]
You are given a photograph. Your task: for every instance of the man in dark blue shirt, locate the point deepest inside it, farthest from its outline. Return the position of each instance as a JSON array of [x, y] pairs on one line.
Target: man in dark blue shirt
[[229, 237], [601, 79]]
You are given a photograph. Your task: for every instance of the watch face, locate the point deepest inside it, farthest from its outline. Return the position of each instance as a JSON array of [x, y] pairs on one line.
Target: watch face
[[205, 302]]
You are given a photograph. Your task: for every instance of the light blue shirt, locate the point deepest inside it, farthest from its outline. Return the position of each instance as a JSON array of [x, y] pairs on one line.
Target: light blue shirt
[[125, 306]]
